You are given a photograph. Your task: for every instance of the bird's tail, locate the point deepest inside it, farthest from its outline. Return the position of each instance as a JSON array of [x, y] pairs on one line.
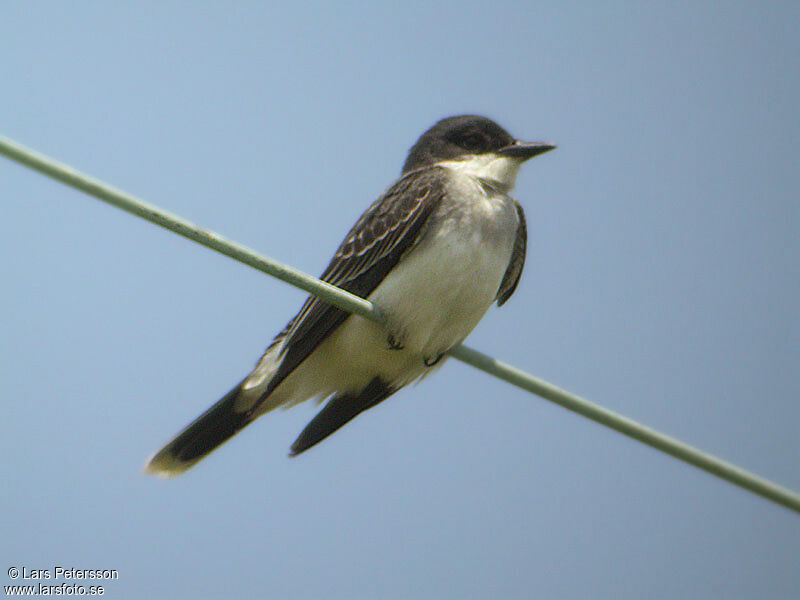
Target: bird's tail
[[202, 436]]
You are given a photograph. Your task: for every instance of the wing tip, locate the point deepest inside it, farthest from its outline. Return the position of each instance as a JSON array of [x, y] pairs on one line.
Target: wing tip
[[339, 411]]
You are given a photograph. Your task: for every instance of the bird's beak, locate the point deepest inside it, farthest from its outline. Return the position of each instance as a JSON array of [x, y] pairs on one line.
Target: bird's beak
[[526, 150]]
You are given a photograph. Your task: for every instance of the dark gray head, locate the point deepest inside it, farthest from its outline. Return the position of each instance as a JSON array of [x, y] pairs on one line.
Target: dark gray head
[[468, 135]]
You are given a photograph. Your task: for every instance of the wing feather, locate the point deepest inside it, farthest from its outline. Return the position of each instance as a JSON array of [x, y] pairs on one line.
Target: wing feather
[[369, 251], [517, 262]]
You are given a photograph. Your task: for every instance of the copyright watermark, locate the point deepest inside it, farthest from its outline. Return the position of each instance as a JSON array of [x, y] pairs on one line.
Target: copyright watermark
[[58, 581]]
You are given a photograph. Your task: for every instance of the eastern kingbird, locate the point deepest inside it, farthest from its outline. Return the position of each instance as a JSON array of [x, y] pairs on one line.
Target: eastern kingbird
[[441, 245]]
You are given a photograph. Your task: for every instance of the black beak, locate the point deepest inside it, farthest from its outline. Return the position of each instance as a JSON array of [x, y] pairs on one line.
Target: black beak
[[526, 150]]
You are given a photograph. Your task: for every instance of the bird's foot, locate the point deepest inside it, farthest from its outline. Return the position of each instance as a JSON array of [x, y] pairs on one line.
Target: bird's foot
[[431, 361], [396, 331], [395, 342]]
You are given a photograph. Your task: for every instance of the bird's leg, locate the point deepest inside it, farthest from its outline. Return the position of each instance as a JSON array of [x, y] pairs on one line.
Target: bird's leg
[[396, 338]]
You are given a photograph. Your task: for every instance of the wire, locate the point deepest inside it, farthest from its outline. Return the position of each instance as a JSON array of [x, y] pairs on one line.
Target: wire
[[359, 306]]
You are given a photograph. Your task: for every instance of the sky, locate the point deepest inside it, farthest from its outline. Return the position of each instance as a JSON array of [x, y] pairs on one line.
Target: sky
[[661, 281]]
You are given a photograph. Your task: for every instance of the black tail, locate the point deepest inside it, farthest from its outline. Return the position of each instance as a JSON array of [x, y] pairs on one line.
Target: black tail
[[338, 411], [204, 434]]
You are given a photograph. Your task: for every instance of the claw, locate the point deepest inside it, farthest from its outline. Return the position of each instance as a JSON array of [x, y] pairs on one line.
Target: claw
[[430, 362], [393, 343]]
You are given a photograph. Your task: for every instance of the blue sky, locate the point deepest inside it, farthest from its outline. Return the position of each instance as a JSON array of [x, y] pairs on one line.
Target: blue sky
[[662, 281]]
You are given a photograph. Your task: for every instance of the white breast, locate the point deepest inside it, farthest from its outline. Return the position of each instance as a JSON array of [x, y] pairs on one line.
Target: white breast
[[433, 299], [444, 285]]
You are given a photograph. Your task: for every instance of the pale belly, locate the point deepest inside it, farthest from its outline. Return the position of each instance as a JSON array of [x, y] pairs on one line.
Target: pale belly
[[432, 299], [436, 297]]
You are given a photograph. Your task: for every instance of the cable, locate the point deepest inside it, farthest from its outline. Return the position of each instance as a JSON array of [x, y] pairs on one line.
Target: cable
[[354, 304]]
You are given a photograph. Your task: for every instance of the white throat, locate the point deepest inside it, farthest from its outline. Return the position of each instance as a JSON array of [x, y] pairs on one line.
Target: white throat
[[498, 170]]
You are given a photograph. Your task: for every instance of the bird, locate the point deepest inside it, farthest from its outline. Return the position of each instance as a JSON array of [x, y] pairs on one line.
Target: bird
[[442, 244]]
